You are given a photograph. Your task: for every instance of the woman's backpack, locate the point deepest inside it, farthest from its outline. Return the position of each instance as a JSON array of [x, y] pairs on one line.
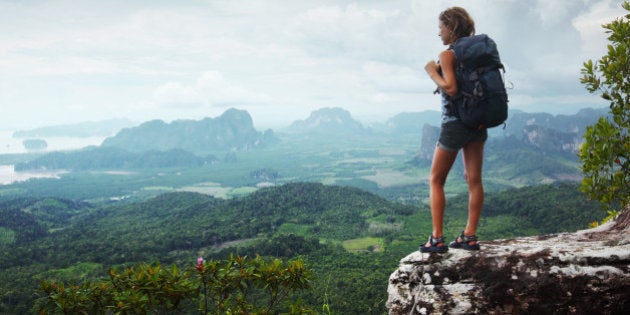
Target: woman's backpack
[[481, 99]]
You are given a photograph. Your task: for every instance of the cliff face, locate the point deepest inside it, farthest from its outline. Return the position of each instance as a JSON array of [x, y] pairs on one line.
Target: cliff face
[[430, 137], [551, 140], [587, 272]]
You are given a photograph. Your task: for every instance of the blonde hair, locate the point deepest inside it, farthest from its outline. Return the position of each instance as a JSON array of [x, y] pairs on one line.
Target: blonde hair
[[458, 21]]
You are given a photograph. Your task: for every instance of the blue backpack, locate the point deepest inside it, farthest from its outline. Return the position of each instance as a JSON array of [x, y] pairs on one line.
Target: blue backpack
[[481, 99]]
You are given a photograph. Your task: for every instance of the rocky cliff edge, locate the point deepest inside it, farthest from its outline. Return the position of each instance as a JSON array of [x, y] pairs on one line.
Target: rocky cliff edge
[[587, 272]]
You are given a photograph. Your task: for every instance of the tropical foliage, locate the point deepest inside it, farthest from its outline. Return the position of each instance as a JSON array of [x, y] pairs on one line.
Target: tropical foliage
[[605, 153], [348, 240], [212, 287]]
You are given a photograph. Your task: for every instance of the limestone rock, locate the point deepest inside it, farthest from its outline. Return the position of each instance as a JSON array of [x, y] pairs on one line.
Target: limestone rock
[[587, 272]]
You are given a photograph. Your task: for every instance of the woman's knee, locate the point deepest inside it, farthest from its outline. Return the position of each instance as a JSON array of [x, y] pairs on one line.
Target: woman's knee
[[473, 180], [437, 179]]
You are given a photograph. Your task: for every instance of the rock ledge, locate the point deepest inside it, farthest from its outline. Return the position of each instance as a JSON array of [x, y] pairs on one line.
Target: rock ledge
[[587, 272]]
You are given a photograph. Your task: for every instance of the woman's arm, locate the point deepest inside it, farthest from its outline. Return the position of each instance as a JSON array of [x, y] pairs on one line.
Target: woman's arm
[[446, 82]]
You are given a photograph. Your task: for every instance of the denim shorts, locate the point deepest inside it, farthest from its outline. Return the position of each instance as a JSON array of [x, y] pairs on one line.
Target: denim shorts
[[454, 135]]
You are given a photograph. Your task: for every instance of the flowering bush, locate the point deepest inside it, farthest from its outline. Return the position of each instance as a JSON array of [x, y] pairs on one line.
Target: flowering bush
[[236, 285]]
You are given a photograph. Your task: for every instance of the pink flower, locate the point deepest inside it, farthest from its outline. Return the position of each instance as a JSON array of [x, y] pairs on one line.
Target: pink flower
[[200, 264]]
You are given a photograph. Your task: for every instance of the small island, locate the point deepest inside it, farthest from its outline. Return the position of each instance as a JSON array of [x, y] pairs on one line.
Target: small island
[[35, 144]]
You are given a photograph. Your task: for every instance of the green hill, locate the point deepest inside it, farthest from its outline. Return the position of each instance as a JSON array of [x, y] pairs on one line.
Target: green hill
[[352, 239]]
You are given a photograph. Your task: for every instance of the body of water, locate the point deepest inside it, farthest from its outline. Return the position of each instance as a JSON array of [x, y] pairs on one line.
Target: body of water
[[10, 145]]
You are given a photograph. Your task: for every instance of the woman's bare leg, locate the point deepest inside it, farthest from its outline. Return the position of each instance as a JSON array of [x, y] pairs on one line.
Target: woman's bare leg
[[440, 167], [473, 161]]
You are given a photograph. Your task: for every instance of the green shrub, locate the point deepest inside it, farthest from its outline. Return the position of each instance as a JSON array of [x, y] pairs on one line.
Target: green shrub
[[236, 285], [605, 153]]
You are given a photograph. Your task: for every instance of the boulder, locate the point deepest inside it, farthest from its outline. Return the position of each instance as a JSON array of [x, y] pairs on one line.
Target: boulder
[[586, 272]]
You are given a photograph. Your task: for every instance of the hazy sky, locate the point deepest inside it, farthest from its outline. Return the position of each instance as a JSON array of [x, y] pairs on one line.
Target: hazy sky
[[71, 61]]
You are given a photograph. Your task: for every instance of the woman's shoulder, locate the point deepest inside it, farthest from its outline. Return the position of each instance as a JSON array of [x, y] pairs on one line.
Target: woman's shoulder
[[448, 53], [450, 49]]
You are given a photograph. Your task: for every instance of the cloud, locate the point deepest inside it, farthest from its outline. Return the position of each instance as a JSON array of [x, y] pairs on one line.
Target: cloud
[[211, 89], [176, 93], [219, 91], [163, 59], [353, 31], [391, 78], [589, 25]]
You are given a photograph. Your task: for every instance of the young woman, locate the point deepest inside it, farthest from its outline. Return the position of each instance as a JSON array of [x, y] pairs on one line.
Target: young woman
[[454, 23]]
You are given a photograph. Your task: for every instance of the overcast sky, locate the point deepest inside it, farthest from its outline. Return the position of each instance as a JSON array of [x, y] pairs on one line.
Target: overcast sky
[[71, 61]]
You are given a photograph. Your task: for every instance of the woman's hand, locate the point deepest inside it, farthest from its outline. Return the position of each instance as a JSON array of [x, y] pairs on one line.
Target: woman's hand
[[432, 68]]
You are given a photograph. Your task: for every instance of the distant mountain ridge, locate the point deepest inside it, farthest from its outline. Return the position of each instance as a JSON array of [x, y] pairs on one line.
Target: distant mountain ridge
[[102, 128], [515, 124], [413, 122], [575, 123], [551, 134], [533, 147], [546, 132], [536, 145], [328, 120], [232, 131]]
